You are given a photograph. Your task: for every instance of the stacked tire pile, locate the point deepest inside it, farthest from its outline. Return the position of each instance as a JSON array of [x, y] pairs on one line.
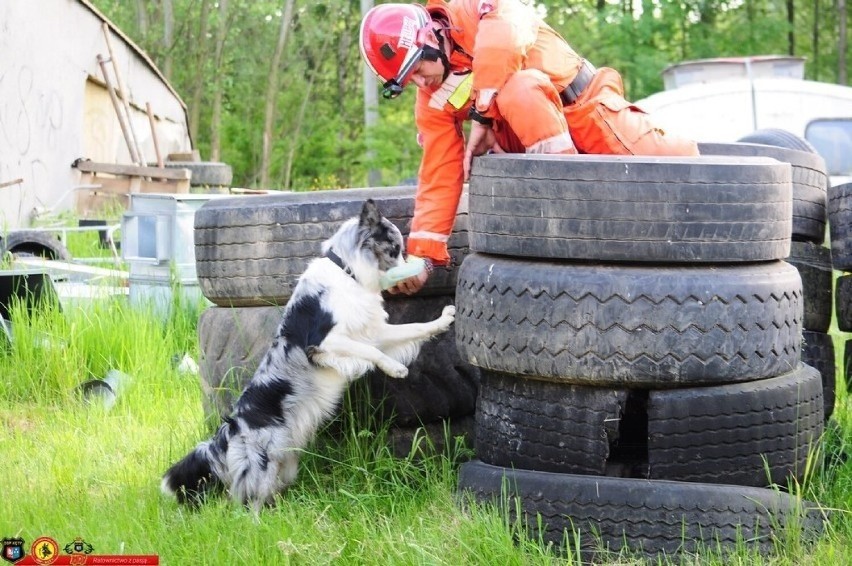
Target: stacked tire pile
[[840, 228], [206, 176], [250, 252], [639, 340], [808, 252]]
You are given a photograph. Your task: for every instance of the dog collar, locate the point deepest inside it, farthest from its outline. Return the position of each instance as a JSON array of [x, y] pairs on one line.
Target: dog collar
[[339, 263]]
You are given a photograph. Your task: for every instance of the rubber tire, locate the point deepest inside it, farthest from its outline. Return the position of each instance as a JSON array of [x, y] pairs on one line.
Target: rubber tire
[[843, 302], [39, 244], [757, 433], [205, 173], [439, 383], [251, 250], [814, 264], [818, 352], [653, 518], [809, 179], [628, 325], [631, 208], [780, 138], [546, 426], [840, 225]]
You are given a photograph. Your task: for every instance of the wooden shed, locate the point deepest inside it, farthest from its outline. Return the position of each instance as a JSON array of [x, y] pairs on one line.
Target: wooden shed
[[56, 108]]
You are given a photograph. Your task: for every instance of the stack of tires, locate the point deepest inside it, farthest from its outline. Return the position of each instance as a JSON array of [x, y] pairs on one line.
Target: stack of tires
[[250, 252], [639, 340], [808, 252], [840, 227], [206, 176]]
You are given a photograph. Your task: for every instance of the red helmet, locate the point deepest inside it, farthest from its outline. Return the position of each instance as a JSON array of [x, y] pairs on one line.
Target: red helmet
[[391, 42]]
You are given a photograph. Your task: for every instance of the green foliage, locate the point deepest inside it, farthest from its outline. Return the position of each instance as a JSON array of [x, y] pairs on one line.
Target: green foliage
[[325, 143]]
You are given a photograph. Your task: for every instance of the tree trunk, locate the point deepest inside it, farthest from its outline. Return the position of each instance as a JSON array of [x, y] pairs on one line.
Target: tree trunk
[[791, 21], [198, 80], [815, 43], [272, 94], [294, 135], [141, 18], [841, 43], [168, 36], [216, 119]]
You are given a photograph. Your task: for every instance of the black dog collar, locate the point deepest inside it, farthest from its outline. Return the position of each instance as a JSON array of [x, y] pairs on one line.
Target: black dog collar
[[339, 263]]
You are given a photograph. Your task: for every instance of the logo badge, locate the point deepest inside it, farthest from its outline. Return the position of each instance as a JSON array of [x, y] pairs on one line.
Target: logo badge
[[44, 550], [13, 549], [78, 546]]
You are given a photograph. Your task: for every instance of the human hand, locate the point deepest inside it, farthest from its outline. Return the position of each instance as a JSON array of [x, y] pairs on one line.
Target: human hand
[[481, 140], [411, 285]]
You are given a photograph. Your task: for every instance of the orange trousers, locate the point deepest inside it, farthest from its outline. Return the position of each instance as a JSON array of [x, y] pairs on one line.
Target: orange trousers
[[601, 121]]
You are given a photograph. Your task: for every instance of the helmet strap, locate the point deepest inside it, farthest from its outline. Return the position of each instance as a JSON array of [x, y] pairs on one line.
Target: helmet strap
[[433, 54]]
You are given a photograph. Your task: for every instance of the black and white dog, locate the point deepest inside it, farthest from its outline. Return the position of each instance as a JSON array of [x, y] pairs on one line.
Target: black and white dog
[[334, 330]]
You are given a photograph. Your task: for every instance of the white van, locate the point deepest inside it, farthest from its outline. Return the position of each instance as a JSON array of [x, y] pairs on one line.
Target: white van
[[722, 100]]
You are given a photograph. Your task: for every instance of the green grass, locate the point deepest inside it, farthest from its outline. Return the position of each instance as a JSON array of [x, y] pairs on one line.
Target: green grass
[[75, 470]]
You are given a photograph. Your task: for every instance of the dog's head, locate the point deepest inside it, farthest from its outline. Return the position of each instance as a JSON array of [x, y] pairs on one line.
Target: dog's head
[[380, 237], [368, 244]]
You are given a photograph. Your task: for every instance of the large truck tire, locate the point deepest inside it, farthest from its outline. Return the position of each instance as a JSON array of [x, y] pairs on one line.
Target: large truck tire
[[757, 433], [814, 264], [629, 325], [630, 208], [439, 385], [780, 138], [660, 519], [205, 173], [546, 426], [818, 352], [251, 250], [809, 178], [840, 225]]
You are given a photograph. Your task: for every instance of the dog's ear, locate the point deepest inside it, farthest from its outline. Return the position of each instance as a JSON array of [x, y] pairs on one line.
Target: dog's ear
[[370, 215]]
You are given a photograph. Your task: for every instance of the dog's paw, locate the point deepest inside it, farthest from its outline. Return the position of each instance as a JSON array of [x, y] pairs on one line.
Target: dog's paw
[[396, 370], [448, 315]]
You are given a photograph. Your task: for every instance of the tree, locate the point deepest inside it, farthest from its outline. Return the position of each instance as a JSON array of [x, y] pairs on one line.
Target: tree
[[218, 79], [272, 90]]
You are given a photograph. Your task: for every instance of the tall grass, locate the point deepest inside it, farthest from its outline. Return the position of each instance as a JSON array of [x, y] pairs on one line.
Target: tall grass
[[71, 469]]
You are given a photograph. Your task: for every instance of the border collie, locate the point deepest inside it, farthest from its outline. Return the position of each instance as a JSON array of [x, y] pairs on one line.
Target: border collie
[[334, 330]]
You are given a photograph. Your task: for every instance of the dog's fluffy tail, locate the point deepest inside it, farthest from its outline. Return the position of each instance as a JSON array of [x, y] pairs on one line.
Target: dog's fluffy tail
[[199, 472]]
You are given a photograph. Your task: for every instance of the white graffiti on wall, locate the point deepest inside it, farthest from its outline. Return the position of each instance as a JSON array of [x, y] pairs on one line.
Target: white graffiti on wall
[[31, 120]]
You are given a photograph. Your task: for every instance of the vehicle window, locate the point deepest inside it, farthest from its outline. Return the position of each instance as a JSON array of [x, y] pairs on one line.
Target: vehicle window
[[832, 139]]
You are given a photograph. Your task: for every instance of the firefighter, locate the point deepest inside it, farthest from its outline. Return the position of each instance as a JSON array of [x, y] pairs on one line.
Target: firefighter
[[524, 89]]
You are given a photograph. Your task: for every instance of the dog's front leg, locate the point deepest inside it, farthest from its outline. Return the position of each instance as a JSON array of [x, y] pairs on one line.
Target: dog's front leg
[[397, 334], [352, 358]]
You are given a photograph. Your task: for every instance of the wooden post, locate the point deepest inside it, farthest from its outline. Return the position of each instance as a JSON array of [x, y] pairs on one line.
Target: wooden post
[[154, 134], [140, 160], [133, 155]]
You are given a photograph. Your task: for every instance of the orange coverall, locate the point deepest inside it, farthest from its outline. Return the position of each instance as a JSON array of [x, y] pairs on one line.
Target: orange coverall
[[502, 45]]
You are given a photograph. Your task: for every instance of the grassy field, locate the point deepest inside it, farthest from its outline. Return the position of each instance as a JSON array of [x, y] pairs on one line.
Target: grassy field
[[75, 470]]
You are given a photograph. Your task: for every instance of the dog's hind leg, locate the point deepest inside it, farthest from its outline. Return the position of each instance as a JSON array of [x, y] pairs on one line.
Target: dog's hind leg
[[289, 470]]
